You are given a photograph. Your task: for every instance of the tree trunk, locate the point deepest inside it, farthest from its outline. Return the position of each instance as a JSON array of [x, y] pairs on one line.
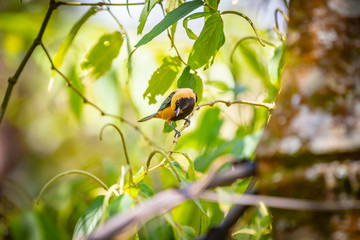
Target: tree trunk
[[311, 147]]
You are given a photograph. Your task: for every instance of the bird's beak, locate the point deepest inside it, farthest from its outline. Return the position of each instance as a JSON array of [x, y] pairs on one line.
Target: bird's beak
[[177, 111]]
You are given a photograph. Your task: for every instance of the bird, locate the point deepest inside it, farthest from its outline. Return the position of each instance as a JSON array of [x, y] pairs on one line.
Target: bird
[[178, 105]]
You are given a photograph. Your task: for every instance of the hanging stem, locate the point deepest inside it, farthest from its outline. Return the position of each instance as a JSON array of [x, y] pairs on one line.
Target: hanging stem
[[124, 146]]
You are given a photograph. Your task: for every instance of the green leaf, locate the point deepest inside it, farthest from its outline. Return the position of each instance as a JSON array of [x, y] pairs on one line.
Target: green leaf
[[208, 43], [65, 45], [245, 147], [120, 204], [190, 80], [89, 219], [170, 5], [146, 190], [276, 65], [189, 32], [213, 3], [169, 20], [76, 102], [162, 78], [139, 176], [99, 59], [155, 229], [167, 127], [252, 60], [149, 5]]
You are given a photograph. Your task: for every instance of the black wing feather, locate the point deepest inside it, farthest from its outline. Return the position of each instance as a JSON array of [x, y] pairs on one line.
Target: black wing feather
[[167, 102]]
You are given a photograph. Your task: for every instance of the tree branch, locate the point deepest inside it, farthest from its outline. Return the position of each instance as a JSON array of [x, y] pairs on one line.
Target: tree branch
[[37, 41]]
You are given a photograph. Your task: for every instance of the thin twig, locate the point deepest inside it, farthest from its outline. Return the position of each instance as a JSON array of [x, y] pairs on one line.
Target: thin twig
[[37, 41], [167, 157], [249, 21], [281, 36], [171, 39], [124, 146], [87, 101], [247, 38], [96, 179], [98, 4]]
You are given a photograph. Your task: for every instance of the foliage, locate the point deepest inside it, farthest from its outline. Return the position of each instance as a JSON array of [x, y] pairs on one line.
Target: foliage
[[62, 141]]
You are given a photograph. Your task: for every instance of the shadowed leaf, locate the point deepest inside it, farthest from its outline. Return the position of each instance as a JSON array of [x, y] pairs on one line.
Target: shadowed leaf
[[89, 219], [162, 78], [191, 80], [99, 59], [208, 43]]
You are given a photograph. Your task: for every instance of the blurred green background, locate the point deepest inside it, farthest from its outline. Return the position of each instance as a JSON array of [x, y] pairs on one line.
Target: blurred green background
[[49, 130]]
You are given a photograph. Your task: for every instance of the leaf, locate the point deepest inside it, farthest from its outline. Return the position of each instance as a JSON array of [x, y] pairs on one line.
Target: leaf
[[213, 3], [170, 5], [276, 65], [139, 176], [162, 78], [208, 43], [76, 102], [99, 59], [146, 190], [155, 229], [167, 127], [89, 219], [245, 147], [190, 80], [189, 32], [149, 5], [120, 204], [253, 61], [169, 20], [64, 47]]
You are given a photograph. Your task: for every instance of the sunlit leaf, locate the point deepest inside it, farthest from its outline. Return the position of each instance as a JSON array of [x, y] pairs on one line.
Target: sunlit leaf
[[162, 78], [99, 59], [167, 127], [189, 32], [146, 190], [191, 80], [148, 6], [76, 102], [276, 65], [65, 45], [121, 203], [213, 4], [169, 20], [208, 43], [170, 5], [89, 219]]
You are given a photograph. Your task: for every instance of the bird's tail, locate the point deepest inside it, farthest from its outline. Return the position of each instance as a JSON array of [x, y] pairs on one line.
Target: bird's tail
[[148, 117]]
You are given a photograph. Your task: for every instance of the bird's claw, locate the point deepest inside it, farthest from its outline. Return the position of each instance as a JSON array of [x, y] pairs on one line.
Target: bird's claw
[[177, 133]]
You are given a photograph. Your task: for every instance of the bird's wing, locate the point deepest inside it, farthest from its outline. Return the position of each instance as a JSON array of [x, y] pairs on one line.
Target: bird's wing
[[167, 102]]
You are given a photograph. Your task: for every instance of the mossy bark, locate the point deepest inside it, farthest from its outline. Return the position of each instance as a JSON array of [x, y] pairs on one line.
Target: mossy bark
[[311, 147]]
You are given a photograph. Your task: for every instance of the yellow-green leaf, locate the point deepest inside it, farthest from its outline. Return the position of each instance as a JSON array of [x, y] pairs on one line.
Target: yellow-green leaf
[[99, 59], [191, 80], [208, 43], [162, 78]]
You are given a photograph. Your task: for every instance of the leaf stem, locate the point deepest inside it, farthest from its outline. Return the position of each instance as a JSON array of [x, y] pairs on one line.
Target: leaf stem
[[247, 38], [167, 157], [124, 146], [249, 21], [98, 4], [96, 179]]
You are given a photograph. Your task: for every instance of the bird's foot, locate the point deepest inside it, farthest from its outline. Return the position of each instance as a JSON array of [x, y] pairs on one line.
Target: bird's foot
[[187, 121], [177, 133]]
